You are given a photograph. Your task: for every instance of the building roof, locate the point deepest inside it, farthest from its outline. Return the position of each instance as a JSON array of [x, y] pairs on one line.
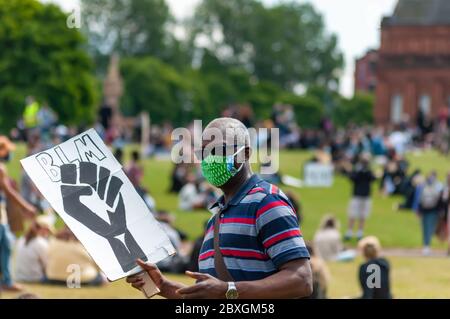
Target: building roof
[[420, 12]]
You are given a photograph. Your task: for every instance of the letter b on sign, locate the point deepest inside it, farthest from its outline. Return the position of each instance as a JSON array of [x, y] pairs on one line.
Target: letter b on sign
[[46, 162]]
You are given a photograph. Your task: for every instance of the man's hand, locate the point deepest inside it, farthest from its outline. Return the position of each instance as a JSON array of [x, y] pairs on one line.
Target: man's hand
[[154, 273], [28, 210], [207, 287], [167, 288]]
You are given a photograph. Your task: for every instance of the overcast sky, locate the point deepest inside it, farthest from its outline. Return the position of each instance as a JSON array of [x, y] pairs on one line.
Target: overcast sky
[[356, 23]]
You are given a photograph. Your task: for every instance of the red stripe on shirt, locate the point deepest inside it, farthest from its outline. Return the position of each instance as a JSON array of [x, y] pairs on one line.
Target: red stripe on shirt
[[238, 220], [290, 233], [241, 253], [273, 204], [206, 255], [274, 189], [255, 190]]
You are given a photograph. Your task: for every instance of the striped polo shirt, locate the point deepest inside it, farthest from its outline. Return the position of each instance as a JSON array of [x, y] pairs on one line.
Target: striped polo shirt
[[259, 232]]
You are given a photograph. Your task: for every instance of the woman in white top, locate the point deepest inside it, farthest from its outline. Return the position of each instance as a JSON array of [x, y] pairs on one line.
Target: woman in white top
[[327, 240], [32, 252]]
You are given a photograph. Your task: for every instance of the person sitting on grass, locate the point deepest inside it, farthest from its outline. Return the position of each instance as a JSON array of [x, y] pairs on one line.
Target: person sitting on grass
[[135, 172], [65, 251], [191, 196], [327, 239], [177, 263], [409, 190], [321, 275], [32, 251], [134, 169], [374, 273]]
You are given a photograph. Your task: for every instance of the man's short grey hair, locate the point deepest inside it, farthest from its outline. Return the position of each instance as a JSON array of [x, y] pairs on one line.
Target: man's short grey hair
[[232, 130]]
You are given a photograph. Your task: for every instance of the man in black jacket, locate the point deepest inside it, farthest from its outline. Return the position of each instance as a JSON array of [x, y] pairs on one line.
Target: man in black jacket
[[361, 203]]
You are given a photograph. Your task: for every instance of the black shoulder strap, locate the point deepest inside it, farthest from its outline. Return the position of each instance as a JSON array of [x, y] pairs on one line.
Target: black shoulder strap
[[219, 264]]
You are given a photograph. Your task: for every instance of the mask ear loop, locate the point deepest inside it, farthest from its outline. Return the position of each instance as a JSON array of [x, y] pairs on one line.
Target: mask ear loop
[[230, 162]]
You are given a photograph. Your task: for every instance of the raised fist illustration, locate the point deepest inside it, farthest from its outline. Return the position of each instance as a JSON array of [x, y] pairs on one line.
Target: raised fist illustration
[[90, 180]]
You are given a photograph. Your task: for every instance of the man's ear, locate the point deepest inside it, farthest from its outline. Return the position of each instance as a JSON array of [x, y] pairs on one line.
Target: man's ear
[[243, 156], [248, 153]]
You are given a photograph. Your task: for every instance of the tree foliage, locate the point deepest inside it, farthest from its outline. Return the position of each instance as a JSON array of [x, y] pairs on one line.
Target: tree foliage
[[286, 43], [131, 28], [236, 51], [308, 109], [151, 85], [357, 110], [40, 56], [169, 95]]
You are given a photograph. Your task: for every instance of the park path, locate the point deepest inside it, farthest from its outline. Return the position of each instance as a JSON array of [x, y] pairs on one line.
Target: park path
[[413, 252]]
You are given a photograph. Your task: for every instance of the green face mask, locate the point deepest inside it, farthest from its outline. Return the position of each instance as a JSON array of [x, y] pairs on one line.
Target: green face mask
[[220, 169]]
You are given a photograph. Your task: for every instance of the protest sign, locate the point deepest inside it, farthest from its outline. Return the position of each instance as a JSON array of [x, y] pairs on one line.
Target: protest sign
[[87, 187], [318, 175], [291, 181]]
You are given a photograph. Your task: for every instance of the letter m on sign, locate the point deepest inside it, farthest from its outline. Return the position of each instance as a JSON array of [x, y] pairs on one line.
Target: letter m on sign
[[87, 149]]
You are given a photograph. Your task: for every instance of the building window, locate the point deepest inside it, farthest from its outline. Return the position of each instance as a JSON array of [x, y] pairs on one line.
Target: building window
[[373, 67], [425, 104], [396, 108]]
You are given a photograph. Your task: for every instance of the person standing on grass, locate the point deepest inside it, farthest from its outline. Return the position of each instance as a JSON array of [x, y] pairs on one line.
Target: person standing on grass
[[253, 247], [361, 203], [8, 193], [427, 204]]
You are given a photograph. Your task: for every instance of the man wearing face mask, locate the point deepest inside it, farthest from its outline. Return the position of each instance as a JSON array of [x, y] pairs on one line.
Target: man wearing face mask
[[253, 247]]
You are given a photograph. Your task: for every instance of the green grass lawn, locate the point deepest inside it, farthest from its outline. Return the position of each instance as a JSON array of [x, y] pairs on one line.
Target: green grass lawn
[[412, 277], [395, 229]]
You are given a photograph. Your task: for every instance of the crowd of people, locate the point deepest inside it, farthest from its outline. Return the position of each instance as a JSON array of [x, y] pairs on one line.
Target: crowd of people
[[43, 253]]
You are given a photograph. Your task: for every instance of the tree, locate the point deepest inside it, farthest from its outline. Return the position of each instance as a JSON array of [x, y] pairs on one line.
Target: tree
[[153, 86], [357, 110], [41, 56], [308, 109], [286, 43], [128, 27], [330, 99], [262, 96]]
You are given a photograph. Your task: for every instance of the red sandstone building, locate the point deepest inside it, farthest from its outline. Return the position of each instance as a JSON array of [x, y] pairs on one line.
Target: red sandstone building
[[365, 72], [413, 68]]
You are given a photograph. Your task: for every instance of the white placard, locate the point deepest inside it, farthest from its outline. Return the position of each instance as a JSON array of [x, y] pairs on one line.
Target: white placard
[[87, 187], [318, 175]]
